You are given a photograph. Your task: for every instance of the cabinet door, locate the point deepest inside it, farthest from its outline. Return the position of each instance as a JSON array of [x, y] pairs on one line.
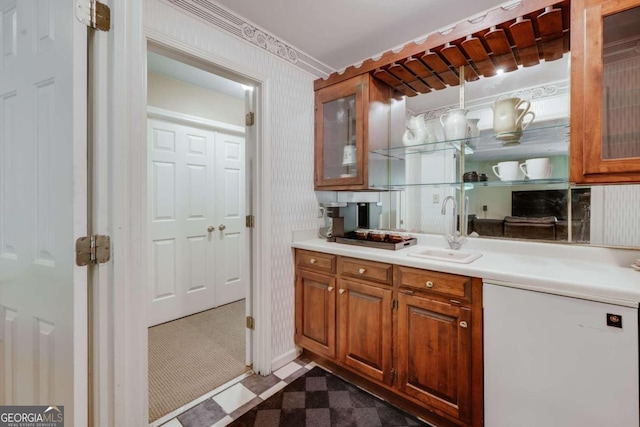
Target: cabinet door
[[605, 91], [434, 354], [340, 121], [316, 313], [365, 329]]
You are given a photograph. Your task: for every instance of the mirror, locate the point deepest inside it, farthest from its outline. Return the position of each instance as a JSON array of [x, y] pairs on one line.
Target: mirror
[[550, 210], [603, 215]]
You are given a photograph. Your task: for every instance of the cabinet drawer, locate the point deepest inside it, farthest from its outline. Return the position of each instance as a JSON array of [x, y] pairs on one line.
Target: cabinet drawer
[[368, 270], [316, 261], [448, 285]]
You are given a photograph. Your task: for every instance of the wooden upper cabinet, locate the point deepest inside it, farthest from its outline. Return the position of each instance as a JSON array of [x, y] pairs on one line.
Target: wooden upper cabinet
[[605, 91], [351, 118]]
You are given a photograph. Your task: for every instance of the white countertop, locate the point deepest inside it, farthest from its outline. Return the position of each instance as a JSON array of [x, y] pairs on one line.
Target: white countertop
[[597, 274]]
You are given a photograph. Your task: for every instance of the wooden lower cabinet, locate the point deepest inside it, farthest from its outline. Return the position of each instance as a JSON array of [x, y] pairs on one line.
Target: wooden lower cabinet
[[413, 337], [434, 354], [316, 312], [365, 328]]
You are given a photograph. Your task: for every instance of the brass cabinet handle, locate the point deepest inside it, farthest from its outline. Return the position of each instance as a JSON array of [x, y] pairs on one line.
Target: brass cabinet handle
[[210, 228], [312, 260], [330, 288], [463, 324], [342, 291], [361, 271], [222, 227], [429, 284]]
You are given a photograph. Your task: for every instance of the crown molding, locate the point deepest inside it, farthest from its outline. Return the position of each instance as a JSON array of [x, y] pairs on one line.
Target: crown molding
[[216, 15]]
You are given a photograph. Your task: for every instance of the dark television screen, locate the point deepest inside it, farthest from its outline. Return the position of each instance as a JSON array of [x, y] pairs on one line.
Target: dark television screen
[[541, 203]]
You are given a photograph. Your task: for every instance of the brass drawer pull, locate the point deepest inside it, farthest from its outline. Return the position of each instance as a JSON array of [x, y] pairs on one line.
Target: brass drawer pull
[[429, 284], [361, 271], [330, 288], [463, 324], [312, 260]]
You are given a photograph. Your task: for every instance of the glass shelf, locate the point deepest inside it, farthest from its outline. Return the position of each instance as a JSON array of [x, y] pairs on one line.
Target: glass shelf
[[469, 185], [548, 138]]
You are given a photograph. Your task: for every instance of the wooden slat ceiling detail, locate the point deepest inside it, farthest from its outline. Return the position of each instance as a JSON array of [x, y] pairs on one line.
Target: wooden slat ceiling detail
[[542, 33]]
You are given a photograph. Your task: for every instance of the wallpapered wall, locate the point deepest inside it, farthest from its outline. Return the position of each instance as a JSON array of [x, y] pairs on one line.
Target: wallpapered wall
[[175, 95], [290, 106]]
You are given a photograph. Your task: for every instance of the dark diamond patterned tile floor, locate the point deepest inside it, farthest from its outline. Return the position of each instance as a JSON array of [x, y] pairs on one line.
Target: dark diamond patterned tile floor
[[320, 399], [298, 394]]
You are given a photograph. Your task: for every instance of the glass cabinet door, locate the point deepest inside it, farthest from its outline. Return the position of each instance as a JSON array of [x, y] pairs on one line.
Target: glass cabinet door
[[605, 110], [339, 135], [621, 85]]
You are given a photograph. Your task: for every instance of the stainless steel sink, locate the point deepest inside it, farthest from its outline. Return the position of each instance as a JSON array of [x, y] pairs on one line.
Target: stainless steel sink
[[439, 254]]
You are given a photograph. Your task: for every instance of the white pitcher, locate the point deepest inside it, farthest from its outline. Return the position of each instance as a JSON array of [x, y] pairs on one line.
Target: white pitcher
[[508, 114], [416, 132], [435, 132], [455, 124]]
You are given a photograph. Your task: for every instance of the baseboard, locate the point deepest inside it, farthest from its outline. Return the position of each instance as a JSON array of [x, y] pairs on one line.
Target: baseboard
[[285, 358]]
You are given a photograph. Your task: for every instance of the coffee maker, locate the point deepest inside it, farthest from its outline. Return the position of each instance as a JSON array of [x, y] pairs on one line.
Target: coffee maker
[[343, 218], [368, 214], [336, 214]]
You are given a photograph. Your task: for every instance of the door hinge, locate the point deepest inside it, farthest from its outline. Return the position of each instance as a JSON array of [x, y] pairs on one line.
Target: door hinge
[[249, 221], [94, 14], [250, 323], [394, 304], [249, 119], [94, 249], [394, 376]]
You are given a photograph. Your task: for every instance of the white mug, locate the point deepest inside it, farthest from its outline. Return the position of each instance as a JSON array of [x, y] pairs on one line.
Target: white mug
[[506, 171], [349, 155], [539, 168]]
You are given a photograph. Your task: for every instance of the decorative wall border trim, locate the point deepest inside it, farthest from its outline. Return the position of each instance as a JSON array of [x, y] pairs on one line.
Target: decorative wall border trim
[[212, 13], [533, 93]]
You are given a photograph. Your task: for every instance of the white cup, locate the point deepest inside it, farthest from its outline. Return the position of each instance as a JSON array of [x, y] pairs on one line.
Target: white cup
[[506, 171], [539, 168]]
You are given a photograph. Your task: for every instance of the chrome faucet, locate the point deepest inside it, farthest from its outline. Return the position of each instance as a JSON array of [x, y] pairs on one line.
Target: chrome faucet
[[454, 239]]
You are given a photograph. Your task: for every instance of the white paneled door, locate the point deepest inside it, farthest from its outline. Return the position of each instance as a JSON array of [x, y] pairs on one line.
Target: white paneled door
[[43, 206], [231, 261], [197, 205]]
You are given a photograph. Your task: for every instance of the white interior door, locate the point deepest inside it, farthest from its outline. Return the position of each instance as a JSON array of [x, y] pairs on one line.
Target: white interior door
[[43, 200], [181, 176], [197, 207], [231, 239]]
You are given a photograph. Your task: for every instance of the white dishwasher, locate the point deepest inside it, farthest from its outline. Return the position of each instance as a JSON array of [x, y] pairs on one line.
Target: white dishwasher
[[551, 361]]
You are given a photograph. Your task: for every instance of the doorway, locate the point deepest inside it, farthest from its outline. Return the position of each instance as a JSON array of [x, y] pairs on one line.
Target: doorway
[[199, 251]]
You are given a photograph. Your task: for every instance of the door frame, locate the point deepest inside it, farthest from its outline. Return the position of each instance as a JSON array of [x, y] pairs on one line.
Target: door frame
[[255, 159], [124, 374], [182, 119]]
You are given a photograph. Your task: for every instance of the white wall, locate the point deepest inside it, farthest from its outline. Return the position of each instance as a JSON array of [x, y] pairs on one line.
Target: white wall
[[290, 115], [175, 95]]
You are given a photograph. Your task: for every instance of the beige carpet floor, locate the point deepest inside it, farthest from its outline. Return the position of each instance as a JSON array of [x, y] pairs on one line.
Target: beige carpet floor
[[191, 356]]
